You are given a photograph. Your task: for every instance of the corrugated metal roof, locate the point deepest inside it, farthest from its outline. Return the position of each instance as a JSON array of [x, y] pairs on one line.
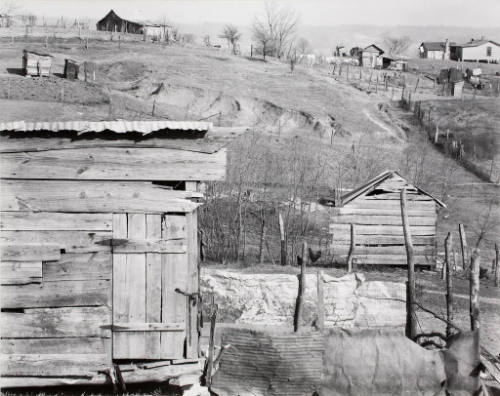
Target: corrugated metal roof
[[121, 126]]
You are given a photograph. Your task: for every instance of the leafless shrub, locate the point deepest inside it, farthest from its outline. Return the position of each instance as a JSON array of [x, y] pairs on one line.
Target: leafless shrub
[[396, 45], [232, 35]]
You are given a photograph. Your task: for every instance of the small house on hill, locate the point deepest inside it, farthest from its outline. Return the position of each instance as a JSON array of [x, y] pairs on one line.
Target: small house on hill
[[371, 56], [136, 24], [99, 250], [374, 210], [479, 50], [435, 49]]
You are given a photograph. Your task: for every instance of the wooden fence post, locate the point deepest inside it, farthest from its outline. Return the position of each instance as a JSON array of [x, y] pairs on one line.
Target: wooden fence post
[[211, 342], [463, 245], [321, 300], [282, 240], [416, 84], [436, 135], [262, 239], [497, 270], [449, 285], [474, 290], [351, 249], [411, 322], [370, 82], [302, 285]]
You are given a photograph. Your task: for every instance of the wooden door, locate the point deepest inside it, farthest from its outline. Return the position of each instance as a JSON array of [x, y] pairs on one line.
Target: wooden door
[[151, 286]]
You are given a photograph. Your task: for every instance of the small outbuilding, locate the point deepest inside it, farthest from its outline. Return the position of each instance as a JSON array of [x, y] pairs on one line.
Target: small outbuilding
[[371, 56], [374, 210], [435, 49], [36, 63], [99, 250]]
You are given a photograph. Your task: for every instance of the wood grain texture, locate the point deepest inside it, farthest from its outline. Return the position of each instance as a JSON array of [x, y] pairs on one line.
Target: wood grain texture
[[28, 221], [192, 336], [56, 294], [11, 250], [147, 327], [56, 322], [69, 241], [20, 273], [92, 197], [46, 365], [339, 229], [79, 267], [344, 239], [383, 220], [128, 245], [109, 163], [211, 142], [78, 345]]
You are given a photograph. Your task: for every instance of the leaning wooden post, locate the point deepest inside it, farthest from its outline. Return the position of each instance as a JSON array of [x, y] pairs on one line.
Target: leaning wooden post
[[449, 285], [302, 285], [282, 240], [211, 342], [497, 270], [474, 290], [262, 241], [321, 300], [463, 245], [351, 249], [411, 322]]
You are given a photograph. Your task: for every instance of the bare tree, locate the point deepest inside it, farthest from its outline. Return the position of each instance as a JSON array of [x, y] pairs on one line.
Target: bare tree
[[278, 25], [7, 9], [396, 45], [232, 35], [303, 46], [264, 40]]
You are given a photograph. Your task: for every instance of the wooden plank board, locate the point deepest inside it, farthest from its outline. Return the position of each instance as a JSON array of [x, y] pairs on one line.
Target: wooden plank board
[[211, 142], [174, 227], [429, 211], [47, 365], [130, 295], [395, 196], [92, 197], [78, 267], [174, 305], [56, 294], [174, 246], [20, 273], [341, 229], [153, 287], [148, 327], [110, 163], [388, 259], [383, 220], [28, 221], [390, 204], [193, 276], [56, 322], [15, 251], [71, 345], [69, 241], [344, 239], [382, 250]]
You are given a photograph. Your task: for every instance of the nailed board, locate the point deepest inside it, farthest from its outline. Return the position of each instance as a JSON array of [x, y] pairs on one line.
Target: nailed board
[[13, 250], [45, 365], [79, 267], [71, 345], [69, 241], [344, 229], [109, 163], [92, 197], [56, 294], [57, 322], [20, 273], [29, 221], [383, 220], [211, 142]]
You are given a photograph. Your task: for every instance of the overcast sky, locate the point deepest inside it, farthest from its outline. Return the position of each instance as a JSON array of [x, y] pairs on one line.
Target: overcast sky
[[466, 13]]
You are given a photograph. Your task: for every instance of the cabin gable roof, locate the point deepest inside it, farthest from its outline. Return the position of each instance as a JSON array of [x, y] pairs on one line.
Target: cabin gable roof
[[390, 181]]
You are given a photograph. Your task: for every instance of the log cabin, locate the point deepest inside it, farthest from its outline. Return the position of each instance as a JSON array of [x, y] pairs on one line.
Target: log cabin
[[99, 251], [374, 211]]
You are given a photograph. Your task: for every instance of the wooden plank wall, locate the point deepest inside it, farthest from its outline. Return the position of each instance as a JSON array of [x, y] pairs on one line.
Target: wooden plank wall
[[378, 228], [56, 240], [56, 310]]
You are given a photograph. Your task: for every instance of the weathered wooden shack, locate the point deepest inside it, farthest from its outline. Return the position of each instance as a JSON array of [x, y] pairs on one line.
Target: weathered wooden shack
[[99, 252], [36, 63], [374, 210]]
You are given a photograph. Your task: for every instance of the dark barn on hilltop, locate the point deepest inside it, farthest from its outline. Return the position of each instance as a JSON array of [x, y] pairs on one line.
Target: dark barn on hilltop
[[114, 23]]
